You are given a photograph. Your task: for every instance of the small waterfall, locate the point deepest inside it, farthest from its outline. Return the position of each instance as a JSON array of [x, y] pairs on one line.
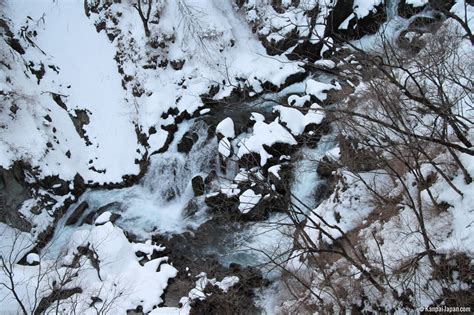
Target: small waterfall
[[170, 173], [156, 204]]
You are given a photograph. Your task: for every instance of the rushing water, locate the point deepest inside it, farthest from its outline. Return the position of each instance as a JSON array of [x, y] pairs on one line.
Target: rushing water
[[158, 203]]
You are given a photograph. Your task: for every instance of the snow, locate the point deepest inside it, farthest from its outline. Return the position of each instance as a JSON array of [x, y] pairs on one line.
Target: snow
[[226, 128], [362, 8], [334, 153], [225, 147], [462, 211], [103, 218], [345, 24], [296, 121], [352, 207], [231, 190], [32, 258], [226, 283], [94, 86], [156, 204], [117, 275], [257, 117], [319, 89], [298, 101], [148, 204], [118, 263], [325, 63], [417, 3], [264, 134], [248, 200], [275, 170]]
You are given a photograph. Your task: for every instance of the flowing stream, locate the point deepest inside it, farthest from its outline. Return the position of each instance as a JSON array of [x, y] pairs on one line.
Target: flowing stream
[[159, 204]]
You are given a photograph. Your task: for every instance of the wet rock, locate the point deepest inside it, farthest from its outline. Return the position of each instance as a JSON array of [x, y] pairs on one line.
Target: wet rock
[[357, 28], [79, 185], [191, 208], [326, 167], [211, 177], [77, 213], [91, 216], [9, 37], [199, 188], [406, 10], [37, 70], [192, 254], [57, 185], [137, 311], [249, 160], [264, 208], [425, 24], [187, 142], [411, 41], [219, 202], [13, 192], [235, 301], [58, 100], [279, 148], [282, 181]]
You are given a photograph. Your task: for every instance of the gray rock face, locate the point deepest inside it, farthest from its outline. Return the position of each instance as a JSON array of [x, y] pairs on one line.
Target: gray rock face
[[12, 194]]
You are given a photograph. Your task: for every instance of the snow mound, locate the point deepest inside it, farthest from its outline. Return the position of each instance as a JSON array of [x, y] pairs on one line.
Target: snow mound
[[264, 135], [226, 128], [320, 89], [296, 121]]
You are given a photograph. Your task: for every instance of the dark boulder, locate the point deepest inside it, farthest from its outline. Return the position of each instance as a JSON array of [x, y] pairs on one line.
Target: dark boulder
[[187, 142], [79, 185], [77, 213], [198, 184], [406, 10], [219, 202], [326, 167], [91, 216]]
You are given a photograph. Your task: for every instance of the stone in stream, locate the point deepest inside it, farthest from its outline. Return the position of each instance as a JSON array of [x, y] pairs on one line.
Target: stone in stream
[[91, 216], [77, 213], [198, 185], [187, 142]]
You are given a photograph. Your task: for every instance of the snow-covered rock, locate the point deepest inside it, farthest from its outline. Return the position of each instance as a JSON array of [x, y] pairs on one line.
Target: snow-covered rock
[[248, 200], [226, 128], [264, 134]]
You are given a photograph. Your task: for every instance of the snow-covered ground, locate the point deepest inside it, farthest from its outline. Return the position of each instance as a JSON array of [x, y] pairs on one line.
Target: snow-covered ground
[[92, 96]]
